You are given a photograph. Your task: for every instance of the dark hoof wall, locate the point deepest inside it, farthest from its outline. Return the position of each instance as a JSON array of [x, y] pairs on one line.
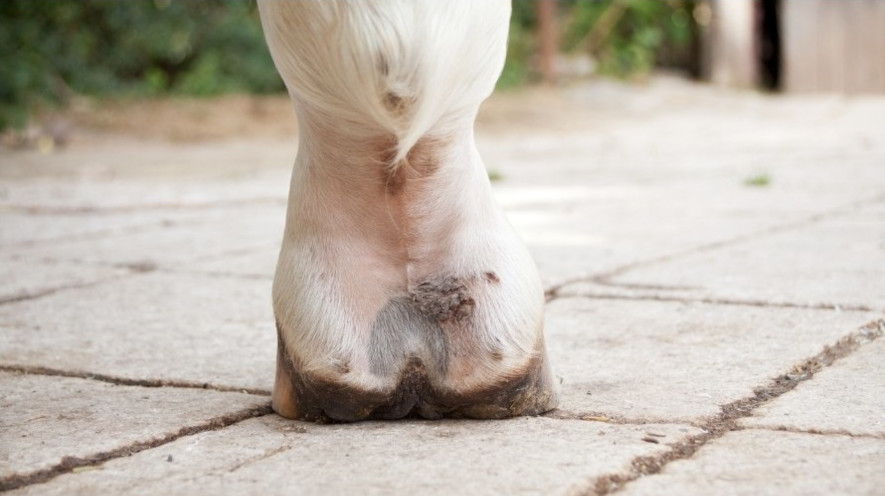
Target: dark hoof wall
[[299, 396]]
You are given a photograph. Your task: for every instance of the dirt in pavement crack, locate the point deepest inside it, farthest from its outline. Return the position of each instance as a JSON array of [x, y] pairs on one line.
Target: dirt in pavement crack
[[125, 381], [606, 277], [846, 307], [726, 420], [69, 463]]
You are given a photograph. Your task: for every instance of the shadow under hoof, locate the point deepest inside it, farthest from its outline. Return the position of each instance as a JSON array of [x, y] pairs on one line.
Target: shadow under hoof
[[298, 395]]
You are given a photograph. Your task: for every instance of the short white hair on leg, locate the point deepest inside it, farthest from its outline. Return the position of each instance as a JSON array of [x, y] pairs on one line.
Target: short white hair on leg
[[401, 68]]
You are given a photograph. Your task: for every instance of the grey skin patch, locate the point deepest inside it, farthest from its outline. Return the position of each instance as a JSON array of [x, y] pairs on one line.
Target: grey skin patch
[[400, 331]]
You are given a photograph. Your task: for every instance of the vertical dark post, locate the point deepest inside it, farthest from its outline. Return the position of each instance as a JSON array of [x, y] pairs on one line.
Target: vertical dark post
[[769, 44], [547, 39]]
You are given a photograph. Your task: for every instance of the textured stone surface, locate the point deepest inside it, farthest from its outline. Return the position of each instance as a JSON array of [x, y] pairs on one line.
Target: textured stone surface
[[44, 419], [677, 361], [846, 397], [260, 262], [24, 277], [773, 463], [198, 236], [20, 230], [596, 177], [840, 260], [273, 456], [191, 327], [108, 176]]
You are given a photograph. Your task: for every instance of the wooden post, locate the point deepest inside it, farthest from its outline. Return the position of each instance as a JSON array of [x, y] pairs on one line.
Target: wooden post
[[834, 45], [547, 39], [733, 50]]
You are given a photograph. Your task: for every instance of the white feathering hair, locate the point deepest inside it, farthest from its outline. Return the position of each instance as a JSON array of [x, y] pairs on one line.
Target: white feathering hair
[[400, 68]]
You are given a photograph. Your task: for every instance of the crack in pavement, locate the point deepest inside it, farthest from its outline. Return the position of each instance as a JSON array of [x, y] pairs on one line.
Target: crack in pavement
[[726, 421], [125, 381], [49, 291], [605, 278], [70, 463], [839, 307], [258, 458], [84, 235], [816, 432], [607, 418], [134, 268], [215, 273], [84, 210]]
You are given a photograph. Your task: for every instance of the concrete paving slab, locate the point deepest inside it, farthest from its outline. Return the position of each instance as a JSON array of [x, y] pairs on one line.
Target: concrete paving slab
[[23, 278], [52, 195], [758, 462], [270, 455], [22, 230], [840, 260], [678, 361], [260, 261], [44, 419], [590, 228], [847, 397], [107, 175], [184, 327], [183, 239]]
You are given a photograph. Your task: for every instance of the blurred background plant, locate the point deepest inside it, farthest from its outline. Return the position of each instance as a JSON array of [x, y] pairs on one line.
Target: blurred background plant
[[631, 37], [51, 51], [622, 38]]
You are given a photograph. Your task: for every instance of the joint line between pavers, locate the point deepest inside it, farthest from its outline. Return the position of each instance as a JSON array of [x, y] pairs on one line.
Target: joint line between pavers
[[135, 268], [62, 210], [812, 432], [85, 236], [214, 273], [726, 420], [125, 381], [558, 414], [50, 291], [839, 307], [606, 277], [69, 463]]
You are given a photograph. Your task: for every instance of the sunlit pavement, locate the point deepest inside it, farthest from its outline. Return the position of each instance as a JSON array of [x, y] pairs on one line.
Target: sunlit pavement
[[715, 266]]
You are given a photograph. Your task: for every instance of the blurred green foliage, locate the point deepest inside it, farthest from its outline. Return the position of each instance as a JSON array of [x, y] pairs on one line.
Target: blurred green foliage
[[520, 45], [626, 37], [50, 50]]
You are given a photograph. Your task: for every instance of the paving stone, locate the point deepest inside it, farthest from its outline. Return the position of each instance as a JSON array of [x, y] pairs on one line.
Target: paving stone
[[270, 455], [602, 134], [848, 396], [837, 261], [19, 231], [183, 240], [23, 277], [44, 419], [755, 462], [594, 228], [678, 361], [95, 177], [260, 261], [189, 327], [620, 176]]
